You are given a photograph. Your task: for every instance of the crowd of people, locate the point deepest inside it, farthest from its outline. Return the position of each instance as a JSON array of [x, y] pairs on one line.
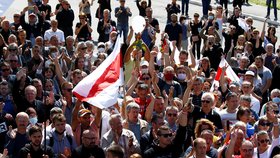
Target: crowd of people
[[168, 106]]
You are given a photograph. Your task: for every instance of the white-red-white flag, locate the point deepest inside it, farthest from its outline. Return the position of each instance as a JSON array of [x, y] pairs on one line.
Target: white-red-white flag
[[100, 88], [229, 73]]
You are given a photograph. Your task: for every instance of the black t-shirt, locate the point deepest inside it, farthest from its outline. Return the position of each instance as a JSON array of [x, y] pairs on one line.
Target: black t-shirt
[[195, 28], [173, 31], [238, 71], [104, 4], [154, 22], [83, 152], [214, 56], [257, 51], [28, 149], [47, 9], [84, 34]]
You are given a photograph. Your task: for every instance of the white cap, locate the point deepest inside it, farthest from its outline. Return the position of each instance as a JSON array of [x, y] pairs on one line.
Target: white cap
[[144, 63]]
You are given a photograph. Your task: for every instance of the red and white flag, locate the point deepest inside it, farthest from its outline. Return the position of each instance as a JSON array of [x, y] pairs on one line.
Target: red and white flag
[[229, 73], [100, 88]]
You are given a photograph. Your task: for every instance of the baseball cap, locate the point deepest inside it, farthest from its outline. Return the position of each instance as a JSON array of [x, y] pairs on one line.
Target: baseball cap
[[32, 14], [144, 63], [250, 73]]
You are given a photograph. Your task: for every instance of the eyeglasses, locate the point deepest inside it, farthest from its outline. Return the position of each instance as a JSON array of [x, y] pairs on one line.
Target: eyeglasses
[[11, 49], [13, 60], [264, 141], [265, 123], [205, 101], [91, 138], [166, 135], [69, 89], [145, 78], [247, 150], [3, 70], [174, 115]]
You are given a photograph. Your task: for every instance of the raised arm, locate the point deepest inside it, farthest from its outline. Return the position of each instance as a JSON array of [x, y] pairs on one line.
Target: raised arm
[[230, 149], [188, 90], [222, 79], [75, 121], [263, 29], [150, 109], [127, 54], [147, 52], [192, 57]]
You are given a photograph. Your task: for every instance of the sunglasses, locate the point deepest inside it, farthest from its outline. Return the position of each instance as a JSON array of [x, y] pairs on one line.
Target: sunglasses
[[276, 111], [166, 135], [265, 124], [205, 101], [84, 48], [13, 61], [3, 70], [10, 49], [247, 150], [264, 141], [174, 115], [145, 78], [69, 90]]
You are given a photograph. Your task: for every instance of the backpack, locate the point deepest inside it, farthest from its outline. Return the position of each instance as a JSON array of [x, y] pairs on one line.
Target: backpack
[[69, 138]]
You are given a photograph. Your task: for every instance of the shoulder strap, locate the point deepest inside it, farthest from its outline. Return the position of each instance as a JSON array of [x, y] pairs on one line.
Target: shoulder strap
[[51, 141], [69, 138]]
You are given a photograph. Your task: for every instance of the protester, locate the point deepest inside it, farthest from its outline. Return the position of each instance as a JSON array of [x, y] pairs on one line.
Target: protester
[[178, 90]]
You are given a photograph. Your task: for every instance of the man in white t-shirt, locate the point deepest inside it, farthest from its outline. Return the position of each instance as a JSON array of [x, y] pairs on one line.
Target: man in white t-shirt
[[229, 114], [247, 89], [54, 31]]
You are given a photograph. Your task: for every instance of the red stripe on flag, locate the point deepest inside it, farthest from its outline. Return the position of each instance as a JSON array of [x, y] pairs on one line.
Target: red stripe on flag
[[218, 74], [109, 76]]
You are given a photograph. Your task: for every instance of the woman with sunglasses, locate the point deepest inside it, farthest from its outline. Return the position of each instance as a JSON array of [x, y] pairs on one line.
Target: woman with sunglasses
[[264, 148], [83, 29], [264, 125]]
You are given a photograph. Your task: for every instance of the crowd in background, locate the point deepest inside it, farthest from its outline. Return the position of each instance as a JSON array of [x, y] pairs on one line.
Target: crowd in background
[[168, 106]]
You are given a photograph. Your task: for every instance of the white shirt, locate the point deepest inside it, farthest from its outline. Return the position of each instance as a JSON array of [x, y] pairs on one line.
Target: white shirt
[[49, 33], [226, 116], [255, 104], [267, 153]]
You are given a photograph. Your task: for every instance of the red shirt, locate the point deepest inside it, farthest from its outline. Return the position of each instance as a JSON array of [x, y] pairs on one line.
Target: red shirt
[[143, 105]]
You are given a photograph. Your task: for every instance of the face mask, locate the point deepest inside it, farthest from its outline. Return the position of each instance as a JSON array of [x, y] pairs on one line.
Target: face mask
[[144, 71], [168, 77], [182, 76], [210, 17], [33, 120], [101, 50], [276, 100]]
